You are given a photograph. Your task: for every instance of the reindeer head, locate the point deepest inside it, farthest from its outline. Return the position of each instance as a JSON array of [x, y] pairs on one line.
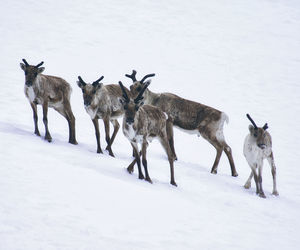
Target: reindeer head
[[132, 106], [31, 72], [137, 86], [89, 90], [259, 134]]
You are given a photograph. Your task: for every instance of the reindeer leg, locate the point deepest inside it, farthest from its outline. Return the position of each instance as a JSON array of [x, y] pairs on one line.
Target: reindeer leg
[[116, 129], [253, 168], [144, 160], [131, 165], [45, 120], [137, 159], [35, 119], [228, 153], [107, 138], [248, 182], [272, 164], [165, 144], [96, 125], [261, 192], [71, 122], [66, 112], [170, 135], [219, 149]]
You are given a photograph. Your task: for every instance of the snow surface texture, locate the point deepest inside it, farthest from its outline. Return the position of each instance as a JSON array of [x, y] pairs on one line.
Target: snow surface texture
[[238, 56]]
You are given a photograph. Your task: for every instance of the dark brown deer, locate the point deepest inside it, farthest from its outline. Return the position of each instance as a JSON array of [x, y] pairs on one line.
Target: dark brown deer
[[102, 102], [142, 123], [48, 91], [191, 117], [257, 147]]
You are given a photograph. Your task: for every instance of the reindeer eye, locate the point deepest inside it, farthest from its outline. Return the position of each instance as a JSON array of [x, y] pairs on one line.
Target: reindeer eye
[[125, 106], [83, 91], [139, 88], [94, 92], [35, 74]]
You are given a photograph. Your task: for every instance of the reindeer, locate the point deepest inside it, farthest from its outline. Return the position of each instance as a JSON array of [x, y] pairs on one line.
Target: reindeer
[[142, 123], [102, 102], [257, 147], [48, 91], [189, 116]]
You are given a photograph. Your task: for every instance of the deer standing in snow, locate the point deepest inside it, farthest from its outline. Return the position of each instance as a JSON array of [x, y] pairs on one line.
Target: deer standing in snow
[[142, 123], [191, 117], [257, 147], [102, 102], [48, 91]]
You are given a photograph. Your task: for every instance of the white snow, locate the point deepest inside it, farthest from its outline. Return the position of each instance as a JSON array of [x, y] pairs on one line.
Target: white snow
[[237, 56]]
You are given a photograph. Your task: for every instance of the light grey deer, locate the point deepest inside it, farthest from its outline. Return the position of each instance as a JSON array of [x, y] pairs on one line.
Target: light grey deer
[[102, 102], [257, 147], [48, 91], [142, 123], [191, 117]]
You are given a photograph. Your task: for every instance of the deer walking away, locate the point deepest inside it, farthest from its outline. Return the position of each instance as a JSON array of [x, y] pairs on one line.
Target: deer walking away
[[48, 91], [191, 117]]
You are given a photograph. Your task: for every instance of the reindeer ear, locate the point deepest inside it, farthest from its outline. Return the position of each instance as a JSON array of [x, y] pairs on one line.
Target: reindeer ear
[[23, 67], [251, 129], [80, 84], [41, 69], [97, 85], [147, 82]]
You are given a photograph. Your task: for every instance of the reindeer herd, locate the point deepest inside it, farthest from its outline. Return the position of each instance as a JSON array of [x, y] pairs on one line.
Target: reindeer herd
[[146, 115]]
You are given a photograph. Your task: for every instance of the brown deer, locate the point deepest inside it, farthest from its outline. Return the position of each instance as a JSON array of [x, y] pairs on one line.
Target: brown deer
[[257, 147], [142, 123], [102, 102], [191, 117], [48, 91]]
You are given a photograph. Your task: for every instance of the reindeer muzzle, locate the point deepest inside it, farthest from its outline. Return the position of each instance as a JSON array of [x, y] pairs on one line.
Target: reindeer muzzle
[[261, 145], [28, 83], [129, 120]]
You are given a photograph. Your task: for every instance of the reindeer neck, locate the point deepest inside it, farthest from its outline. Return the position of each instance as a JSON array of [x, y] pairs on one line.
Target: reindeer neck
[[150, 97]]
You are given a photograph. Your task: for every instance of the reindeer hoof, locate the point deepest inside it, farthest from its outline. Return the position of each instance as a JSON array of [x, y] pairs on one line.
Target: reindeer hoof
[[111, 154], [173, 183], [275, 193], [37, 133], [213, 171], [235, 174], [262, 195], [99, 151], [130, 170], [247, 186], [149, 180], [73, 142], [48, 138], [141, 177]]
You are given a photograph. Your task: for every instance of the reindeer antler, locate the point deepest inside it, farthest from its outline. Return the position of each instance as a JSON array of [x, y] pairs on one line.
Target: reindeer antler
[[248, 116], [125, 96], [26, 63], [81, 81], [96, 82], [265, 127], [132, 76], [40, 64], [140, 95], [146, 76]]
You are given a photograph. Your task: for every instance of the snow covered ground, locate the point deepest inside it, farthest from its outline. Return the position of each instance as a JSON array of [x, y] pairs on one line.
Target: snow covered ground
[[238, 56]]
